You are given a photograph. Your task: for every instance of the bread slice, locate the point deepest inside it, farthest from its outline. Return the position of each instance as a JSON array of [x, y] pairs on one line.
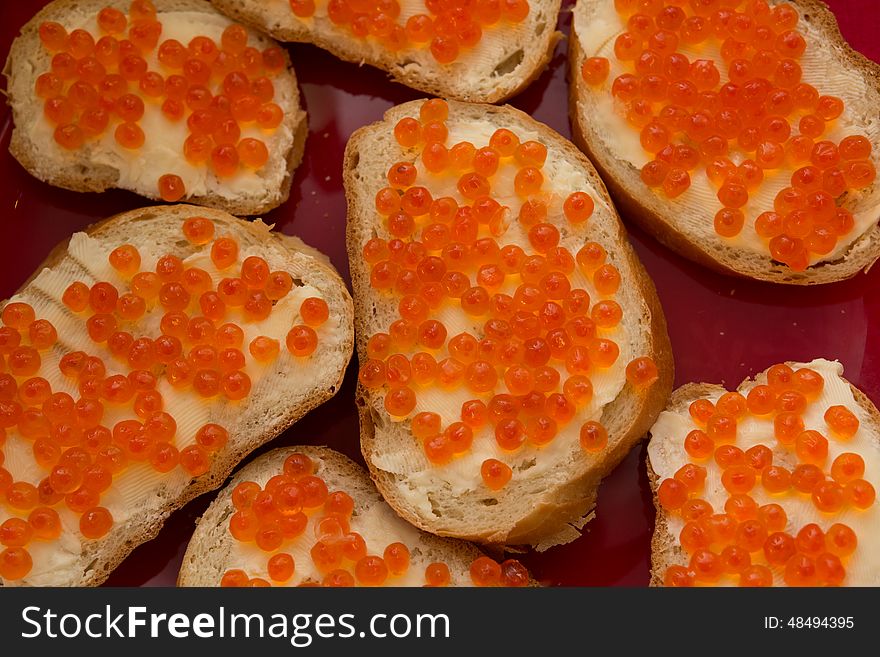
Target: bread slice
[[685, 224], [102, 164], [666, 454], [505, 61], [554, 486], [283, 390], [212, 550]]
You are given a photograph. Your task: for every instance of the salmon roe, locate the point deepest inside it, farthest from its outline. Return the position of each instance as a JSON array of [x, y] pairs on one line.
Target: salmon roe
[[102, 82], [738, 117], [802, 467], [82, 452], [271, 516], [445, 32], [545, 318]]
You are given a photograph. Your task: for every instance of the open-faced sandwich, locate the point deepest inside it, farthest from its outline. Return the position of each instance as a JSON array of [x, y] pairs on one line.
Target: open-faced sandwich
[[480, 51], [772, 484], [743, 134], [308, 516], [170, 100], [512, 347], [138, 366]]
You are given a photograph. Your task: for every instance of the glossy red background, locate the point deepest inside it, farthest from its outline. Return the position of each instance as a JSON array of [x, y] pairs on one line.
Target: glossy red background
[[722, 329]]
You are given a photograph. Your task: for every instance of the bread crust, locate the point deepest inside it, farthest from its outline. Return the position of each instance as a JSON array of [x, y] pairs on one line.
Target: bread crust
[[85, 176], [211, 539], [629, 192], [550, 519], [665, 549], [537, 53], [96, 559]]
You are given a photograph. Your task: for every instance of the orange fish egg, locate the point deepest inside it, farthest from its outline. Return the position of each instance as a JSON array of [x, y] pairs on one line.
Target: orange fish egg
[[692, 476], [400, 401], [45, 523], [701, 410], [811, 447], [485, 572], [761, 400], [495, 474], [679, 576], [95, 523], [594, 438], [642, 372], [828, 496], [672, 494], [129, 135], [280, 567], [397, 558], [437, 574], [15, 563], [269, 116], [595, 70], [847, 467], [17, 315], [841, 421], [860, 493], [698, 444], [578, 207], [195, 460], [314, 311], [732, 404], [787, 426], [806, 477], [53, 36], [171, 187], [738, 479], [729, 455], [776, 479], [706, 565], [407, 132]]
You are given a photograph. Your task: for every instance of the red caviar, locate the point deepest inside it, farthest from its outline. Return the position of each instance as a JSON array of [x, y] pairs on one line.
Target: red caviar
[[806, 556], [270, 516], [691, 116], [456, 250], [82, 457], [88, 69]]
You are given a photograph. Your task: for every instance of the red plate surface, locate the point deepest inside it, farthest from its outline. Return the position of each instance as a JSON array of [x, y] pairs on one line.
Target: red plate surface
[[722, 329]]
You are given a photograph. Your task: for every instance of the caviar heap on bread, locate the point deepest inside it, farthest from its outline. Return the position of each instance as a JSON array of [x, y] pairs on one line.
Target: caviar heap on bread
[[310, 517], [134, 376], [742, 129], [446, 30], [475, 50], [774, 484], [505, 320], [170, 100]]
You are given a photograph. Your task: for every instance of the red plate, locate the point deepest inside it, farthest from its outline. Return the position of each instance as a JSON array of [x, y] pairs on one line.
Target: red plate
[[722, 329]]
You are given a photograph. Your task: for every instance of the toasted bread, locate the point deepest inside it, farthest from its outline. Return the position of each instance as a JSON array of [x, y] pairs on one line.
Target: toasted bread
[[685, 223], [553, 487], [213, 551], [102, 163], [284, 389], [666, 454], [504, 62]]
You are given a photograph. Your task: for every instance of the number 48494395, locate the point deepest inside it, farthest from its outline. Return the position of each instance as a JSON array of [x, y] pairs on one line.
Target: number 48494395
[[810, 622]]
